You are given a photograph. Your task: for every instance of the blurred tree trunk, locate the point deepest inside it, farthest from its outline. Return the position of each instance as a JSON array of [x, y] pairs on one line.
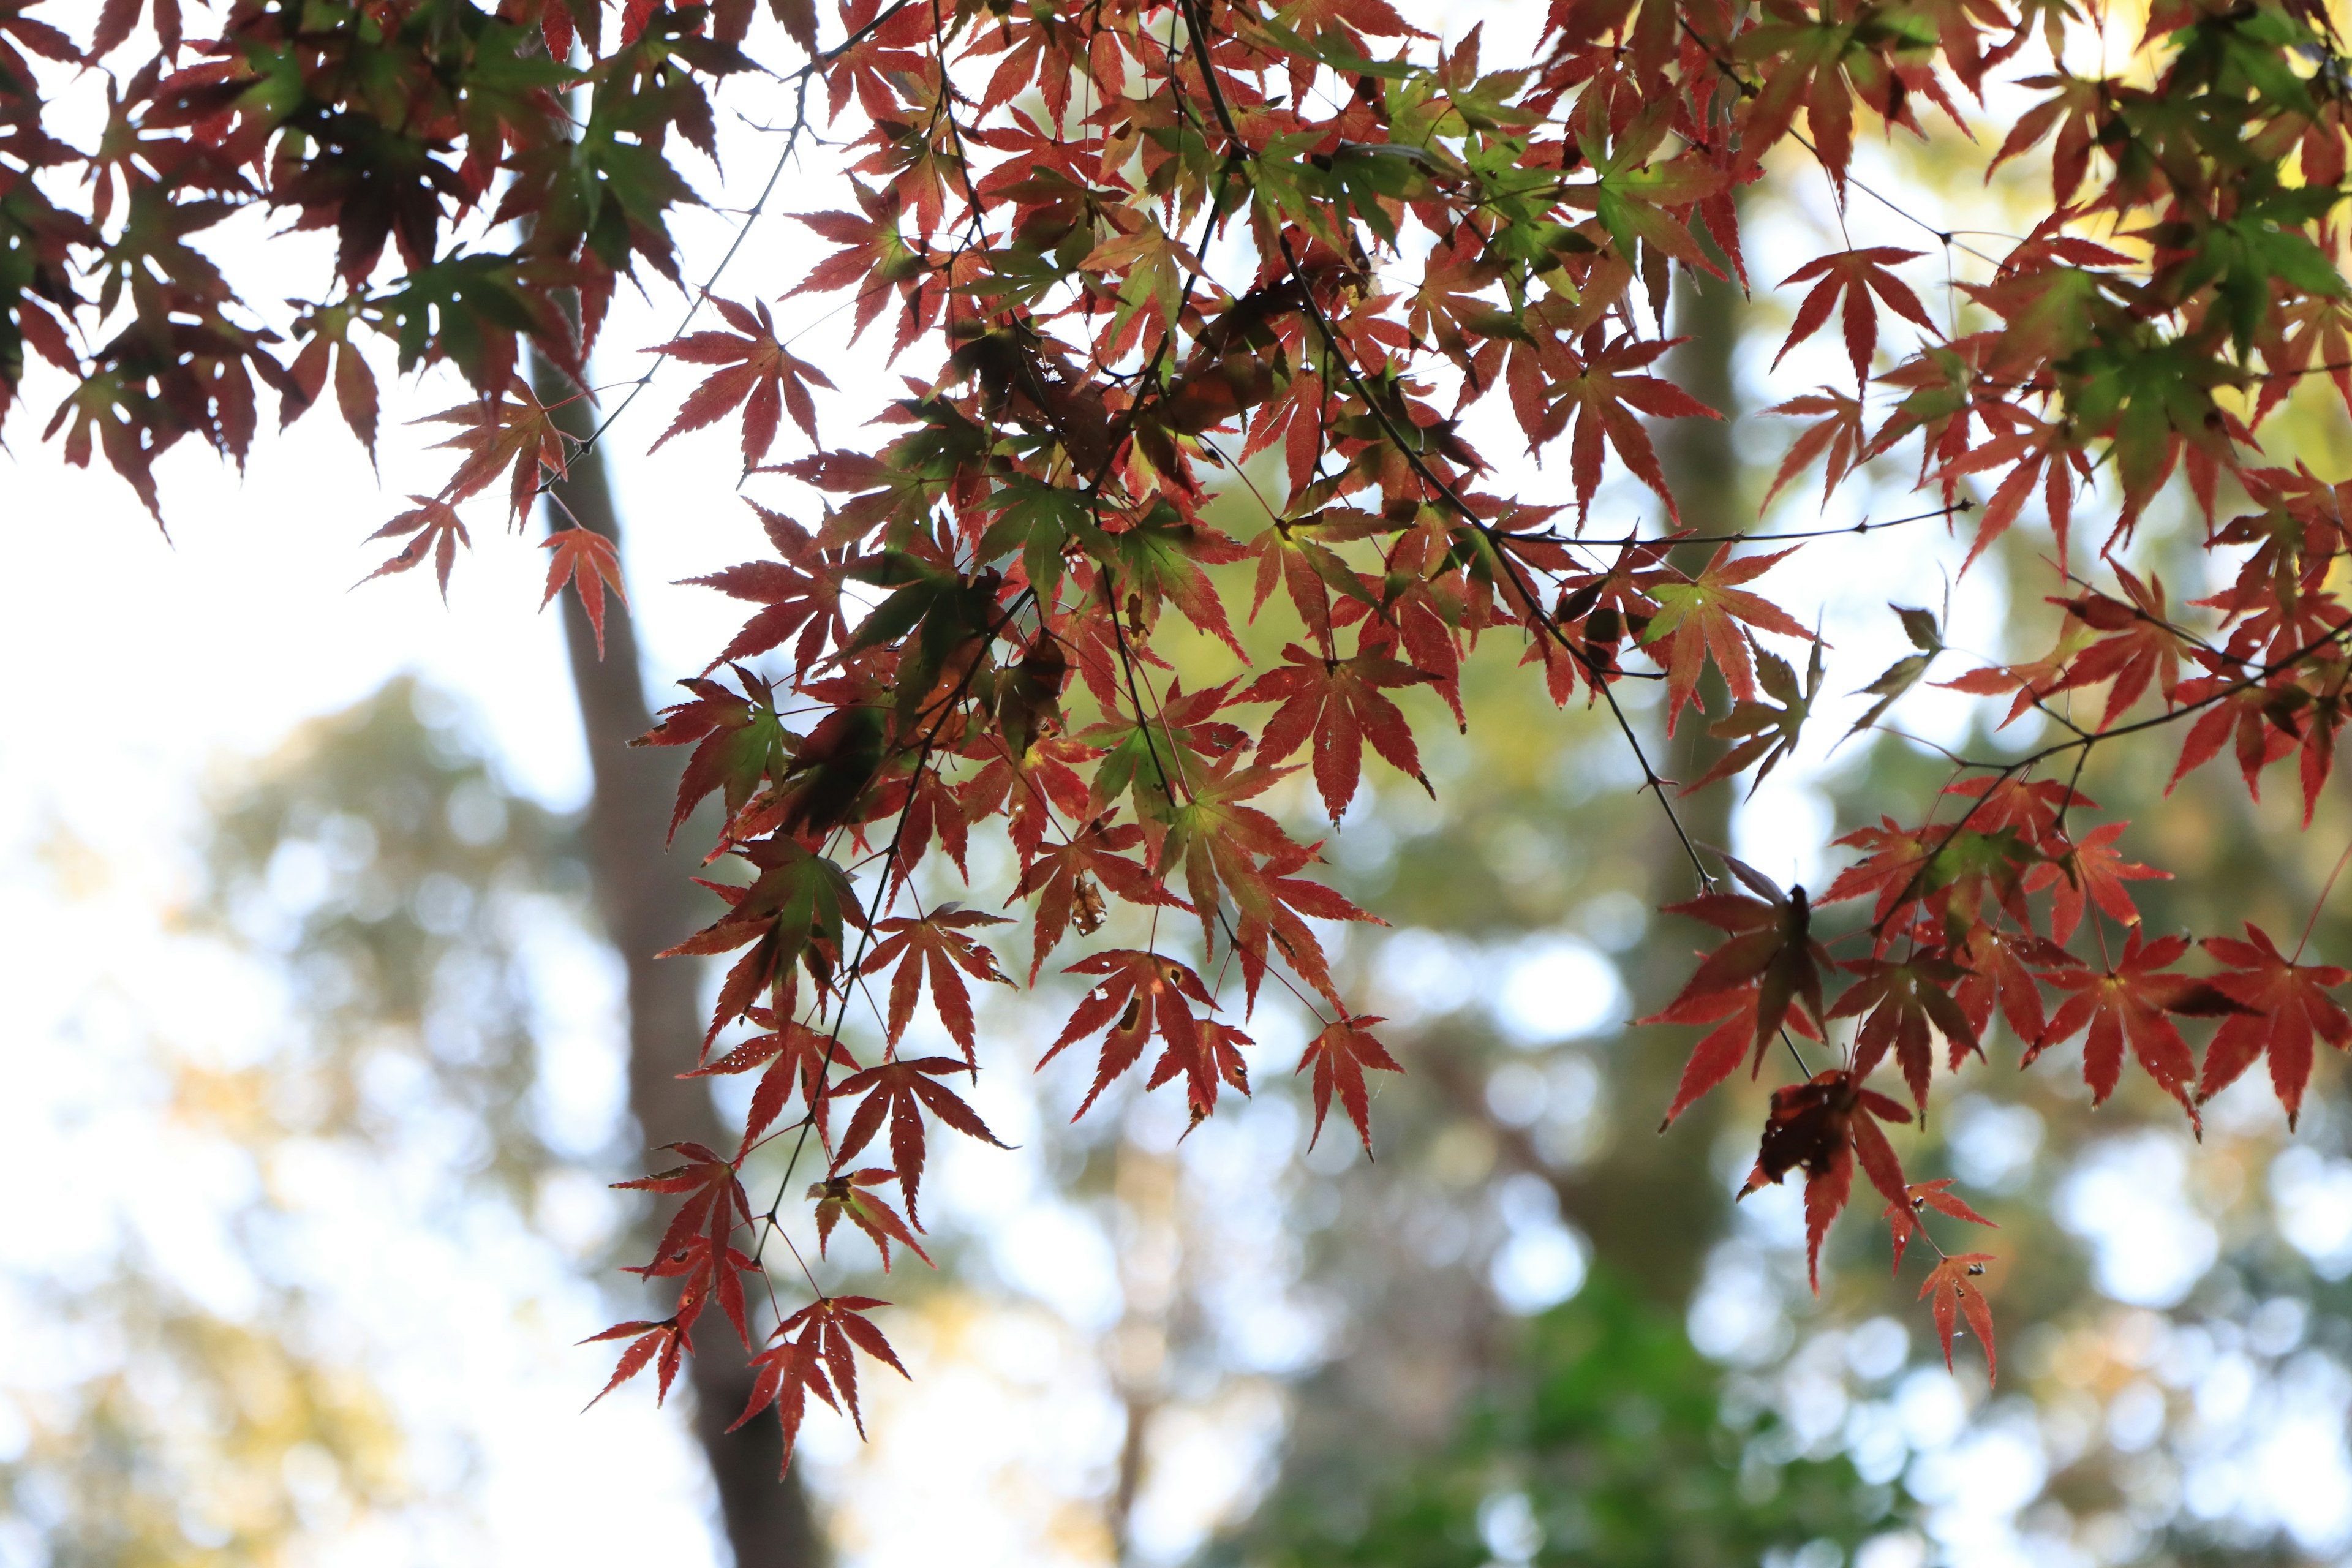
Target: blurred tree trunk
[[647, 904], [1658, 1244]]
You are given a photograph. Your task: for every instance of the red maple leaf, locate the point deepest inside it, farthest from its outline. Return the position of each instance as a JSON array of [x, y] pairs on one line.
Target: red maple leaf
[[1908, 1003], [1069, 880], [2138, 646], [1902, 1219], [1837, 432], [696, 1247], [850, 1195], [2049, 452], [875, 255], [799, 593], [1340, 1055], [1138, 993], [2091, 870], [1771, 945], [665, 1338], [2131, 1003], [1948, 1282], [1823, 1126], [1996, 961], [2284, 1002], [1701, 616], [1858, 275], [936, 939], [1212, 1056], [904, 1090], [756, 368], [797, 1058], [514, 433], [1719, 1051], [1338, 702], [737, 741], [815, 1353], [438, 531], [1606, 401], [588, 560]]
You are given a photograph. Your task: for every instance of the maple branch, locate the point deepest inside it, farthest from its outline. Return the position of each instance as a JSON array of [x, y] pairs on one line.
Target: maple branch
[[1745, 537], [2320, 902]]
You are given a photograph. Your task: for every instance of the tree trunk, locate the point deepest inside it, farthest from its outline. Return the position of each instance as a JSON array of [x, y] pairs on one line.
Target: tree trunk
[[647, 904], [1659, 1243]]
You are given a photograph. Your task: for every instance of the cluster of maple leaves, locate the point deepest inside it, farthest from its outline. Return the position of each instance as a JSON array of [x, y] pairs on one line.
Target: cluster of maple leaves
[[962, 634]]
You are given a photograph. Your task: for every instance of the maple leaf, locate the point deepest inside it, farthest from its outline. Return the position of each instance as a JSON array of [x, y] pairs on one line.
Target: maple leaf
[[438, 531], [1905, 673], [511, 433], [1907, 1003], [815, 1352], [1720, 1051], [2090, 868], [1230, 849], [1699, 617], [666, 1339], [1212, 1056], [827, 784], [875, 257], [1140, 992], [1838, 433], [1760, 729], [1823, 1126], [798, 593], [1603, 399], [1950, 870], [796, 1057], [849, 1196], [1069, 878], [1902, 1219], [1339, 1056], [2139, 646], [2032, 451], [737, 741], [1998, 973], [2073, 111], [936, 939], [588, 560], [1636, 196], [2257, 719], [1772, 944], [1147, 758], [758, 369], [1858, 275], [791, 917], [1948, 1282], [696, 1244], [1031, 787], [903, 1090], [2130, 1003], [2283, 1004], [2029, 682], [1338, 702], [356, 389]]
